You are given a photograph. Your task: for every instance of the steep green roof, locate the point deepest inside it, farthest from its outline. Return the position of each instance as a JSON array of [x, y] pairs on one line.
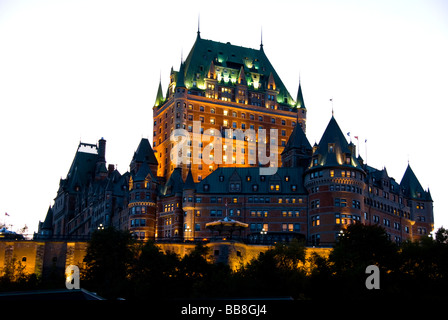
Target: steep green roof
[[230, 59], [189, 182], [333, 148], [175, 184], [82, 168], [144, 153], [180, 80], [143, 172], [300, 103], [48, 223], [159, 98], [412, 187], [297, 140], [220, 180]]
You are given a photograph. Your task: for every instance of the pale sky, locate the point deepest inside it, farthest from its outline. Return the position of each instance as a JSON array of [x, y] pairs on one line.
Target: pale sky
[[82, 70]]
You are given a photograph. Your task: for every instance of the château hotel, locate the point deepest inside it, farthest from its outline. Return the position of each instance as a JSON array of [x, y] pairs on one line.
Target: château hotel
[[219, 90]]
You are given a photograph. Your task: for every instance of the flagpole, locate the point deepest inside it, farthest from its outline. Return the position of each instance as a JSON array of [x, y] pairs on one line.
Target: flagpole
[[365, 144]]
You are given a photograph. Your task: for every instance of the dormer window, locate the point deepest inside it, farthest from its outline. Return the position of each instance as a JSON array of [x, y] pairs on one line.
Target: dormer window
[[331, 147], [235, 187], [348, 160]]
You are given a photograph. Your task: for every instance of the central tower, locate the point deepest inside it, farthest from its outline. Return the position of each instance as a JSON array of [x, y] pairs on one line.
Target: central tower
[[220, 87]]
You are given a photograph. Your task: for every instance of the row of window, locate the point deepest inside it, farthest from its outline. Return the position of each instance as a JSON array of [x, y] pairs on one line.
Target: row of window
[[346, 218], [264, 227], [139, 210], [140, 195], [253, 213], [387, 208], [341, 202], [138, 223], [226, 112], [226, 122], [249, 200], [274, 187], [255, 227], [349, 188]]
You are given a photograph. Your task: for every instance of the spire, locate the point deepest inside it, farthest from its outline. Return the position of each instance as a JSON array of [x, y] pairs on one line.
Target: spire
[[261, 42], [189, 182], [300, 103], [199, 32], [159, 98], [181, 76]]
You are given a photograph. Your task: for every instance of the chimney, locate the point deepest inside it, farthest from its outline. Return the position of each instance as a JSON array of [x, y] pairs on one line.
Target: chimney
[[102, 150], [110, 168]]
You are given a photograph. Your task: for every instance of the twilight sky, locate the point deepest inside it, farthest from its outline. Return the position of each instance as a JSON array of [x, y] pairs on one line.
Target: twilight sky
[[82, 70]]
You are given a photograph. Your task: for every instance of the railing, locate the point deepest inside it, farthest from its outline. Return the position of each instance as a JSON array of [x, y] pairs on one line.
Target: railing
[[260, 240], [61, 238]]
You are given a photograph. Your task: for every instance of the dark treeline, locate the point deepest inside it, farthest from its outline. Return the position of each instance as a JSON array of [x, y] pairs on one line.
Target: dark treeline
[[115, 266]]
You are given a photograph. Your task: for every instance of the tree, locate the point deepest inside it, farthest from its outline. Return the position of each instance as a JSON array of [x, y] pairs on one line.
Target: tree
[[424, 267], [109, 255], [200, 277], [442, 235], [276, 272], [358, 247], [153, 275], [15, 278]]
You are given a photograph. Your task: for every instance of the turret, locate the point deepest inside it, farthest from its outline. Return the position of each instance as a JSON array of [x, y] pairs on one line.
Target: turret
[[335, 183]]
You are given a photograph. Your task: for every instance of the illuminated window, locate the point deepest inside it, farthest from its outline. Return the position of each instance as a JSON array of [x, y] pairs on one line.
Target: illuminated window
[[315, 221], [337, 218]]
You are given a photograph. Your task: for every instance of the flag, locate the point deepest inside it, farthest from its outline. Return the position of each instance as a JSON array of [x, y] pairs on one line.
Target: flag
[[356, 137], [6, 214], [348, 133], [365, 140]]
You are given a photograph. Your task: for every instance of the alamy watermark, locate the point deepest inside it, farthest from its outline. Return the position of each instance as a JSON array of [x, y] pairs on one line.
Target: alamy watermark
[[373, 280], [72, 277], [225, 147]]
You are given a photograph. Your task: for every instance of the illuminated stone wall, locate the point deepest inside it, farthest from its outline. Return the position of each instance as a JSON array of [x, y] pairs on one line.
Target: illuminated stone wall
[[42, 258]]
